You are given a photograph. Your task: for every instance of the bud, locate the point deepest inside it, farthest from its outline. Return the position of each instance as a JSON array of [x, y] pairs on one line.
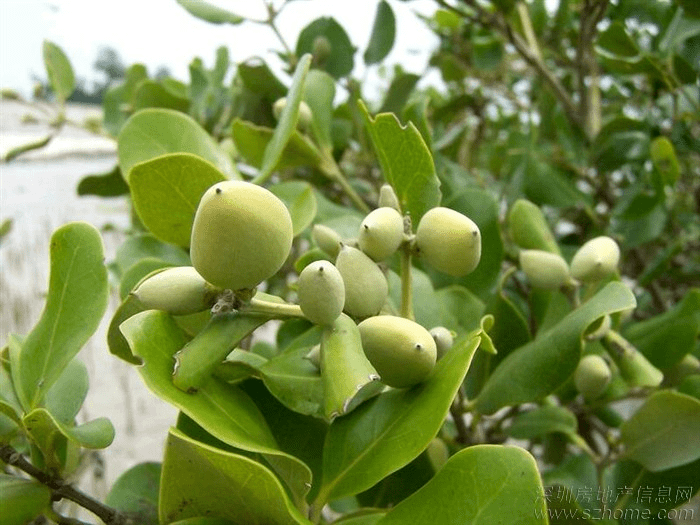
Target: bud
[[381, 233], [595, 260], [327, 239], [544, 269], [388, 198], [179, 291], [444, 339], [592, 376], [366, 287], [321, 292]]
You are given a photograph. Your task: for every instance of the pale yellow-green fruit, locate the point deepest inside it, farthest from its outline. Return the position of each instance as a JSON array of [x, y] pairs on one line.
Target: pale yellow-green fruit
[[401, 350], [179, 291], [305, 116], [327, 239], [449, 241], [438, 453], [592, 376], [321, 292], [388, 198], [381, 233], [544, 269], [595, 260], [242, 235], [444, 339], [366, 287]]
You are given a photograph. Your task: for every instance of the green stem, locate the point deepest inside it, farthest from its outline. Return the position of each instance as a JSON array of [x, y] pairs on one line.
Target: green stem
[[406, 284], [281, 310]]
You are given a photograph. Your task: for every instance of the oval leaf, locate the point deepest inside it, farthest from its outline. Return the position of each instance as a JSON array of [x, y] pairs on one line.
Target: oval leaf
[[26, 498], [319, 93], [300, 199], [340, 61], [383, 34], [210, 13], [136, 492], [59, 71], [541, 421]]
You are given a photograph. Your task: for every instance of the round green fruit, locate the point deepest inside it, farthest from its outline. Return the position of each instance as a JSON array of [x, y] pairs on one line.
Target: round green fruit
[[321, 292], [179, 291], [303, 119], [366, 287], [544, 269], [381, 233], [449, 241], [444, 339], [388, 198], [592, 376], [595, 260], [401, 350], [242, 235]]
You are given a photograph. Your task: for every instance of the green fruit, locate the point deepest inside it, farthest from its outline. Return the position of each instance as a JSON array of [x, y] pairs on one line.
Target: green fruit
[[321, 50], [388, 198], [438, 453], [401, 350], [592, 376], [327, 239], [321, 292], [366, 288], [544, 269], [444, 339], [595, 260], [529, 229], [179, 291], [242, 235], [303, 119], [381, 233], [449, 241]]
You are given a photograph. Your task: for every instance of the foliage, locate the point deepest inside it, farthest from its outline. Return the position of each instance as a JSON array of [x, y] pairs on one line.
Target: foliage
[[549, 129]]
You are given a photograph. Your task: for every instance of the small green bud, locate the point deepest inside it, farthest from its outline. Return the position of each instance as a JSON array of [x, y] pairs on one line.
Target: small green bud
[[544, 269], [381, 233], [388, 198], [321, 292], [444, 339], [327, 239], [595, 260], [305, 116], [592, 376], [401, 350], [321, 49], [179, 291], [366, 287]]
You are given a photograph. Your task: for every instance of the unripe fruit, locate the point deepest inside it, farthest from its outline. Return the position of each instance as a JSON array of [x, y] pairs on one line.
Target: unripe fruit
[[179, 291], [321, 49], [592, 376], [388, 198], [443, 340], [544, 269], [438, 453], [595, 260], [366, 288], [381, 233], [321, 292], [304, 118], [242, 235], [327, 239], [529, 229], [449, 241], [401, 350]]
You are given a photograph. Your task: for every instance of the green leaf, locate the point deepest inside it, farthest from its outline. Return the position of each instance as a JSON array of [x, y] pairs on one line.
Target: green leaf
[[488, 51], [319, 93], [617, 41], [541, 366], [200, 480], [116, 341], [109, 184], [77, 299], [118, 99], [143, 246], [59, 71], [22, 499], [678, 31], [259, 78], [387, 432], [664, 433], [340, 61], [299, 198], [348, 377], [287, 121], [383, 34], [541, 421], [399, 90], [151, 94], [405, 161], [166, 191], [663, 155], [136, 493], [150, 133], [29, 146], [138, 271], [65, 398], [210, 13], [482, 484]]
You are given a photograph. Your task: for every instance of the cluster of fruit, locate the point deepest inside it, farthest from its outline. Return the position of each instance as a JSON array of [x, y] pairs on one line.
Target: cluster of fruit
[[242, 235]]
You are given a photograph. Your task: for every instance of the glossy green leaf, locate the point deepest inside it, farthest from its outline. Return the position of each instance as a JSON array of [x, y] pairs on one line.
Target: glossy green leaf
[[200, 480], [287, 121], [387, 432], [59, 71], [319, 93], [542, 420], [24, 148], [135, 492], [210, 12], [141, 246], [348, 376], [399, 90], [663, 155], [571, 481], [690, 386], [138, 271], [362, 517], [617, 41], [151, 133], [116, 341], [406, 163], [340, 61], [239, 365], [151, 94], [65, 398], [383, 34], [664, 433], [23, 500], [109, 184], [540, 367], [166, 191], [77, 299], [482, 484], [300, 200], [259, 78]]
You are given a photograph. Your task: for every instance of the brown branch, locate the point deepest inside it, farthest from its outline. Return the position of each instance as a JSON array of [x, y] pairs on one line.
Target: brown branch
[[62, 489]]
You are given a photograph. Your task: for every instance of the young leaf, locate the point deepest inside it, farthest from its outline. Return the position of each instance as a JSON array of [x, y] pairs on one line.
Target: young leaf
[[110, 184], [77, 299], [136, 493], [339, 62], [397, 95], [29, 146], [210, 13], [543, 420], [664, 433], [166, 191], [383, 34], [541, 366], [22, 499], [65, 398], [59, 71], [479, 485], [406, 163], [319, 92]]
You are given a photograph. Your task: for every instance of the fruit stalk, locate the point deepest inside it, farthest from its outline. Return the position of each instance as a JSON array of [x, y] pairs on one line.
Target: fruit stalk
[[277, 310], [406, 284]]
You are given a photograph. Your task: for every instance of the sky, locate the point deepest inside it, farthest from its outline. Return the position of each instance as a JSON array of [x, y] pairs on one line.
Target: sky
[[161, 33]]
